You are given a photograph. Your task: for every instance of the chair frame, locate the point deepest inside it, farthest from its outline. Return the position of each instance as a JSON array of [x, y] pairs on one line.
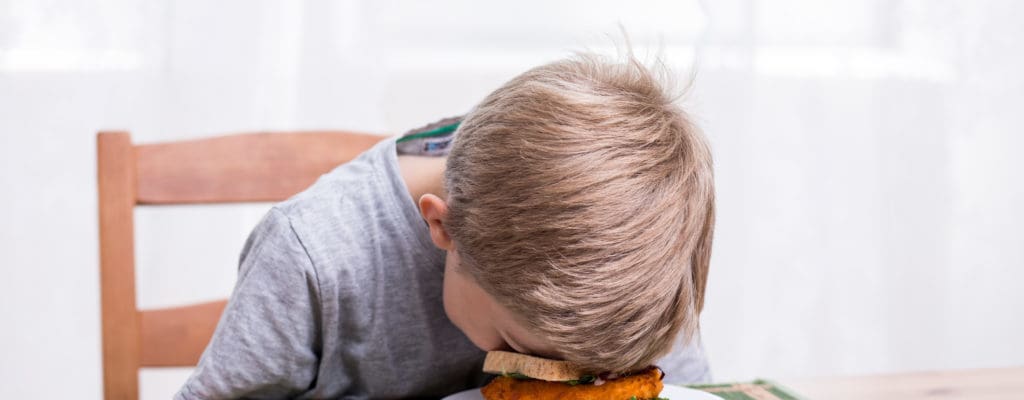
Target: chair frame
[[239, 168]]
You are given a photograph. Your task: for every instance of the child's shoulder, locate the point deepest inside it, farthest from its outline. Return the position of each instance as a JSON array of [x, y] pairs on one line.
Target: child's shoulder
[[360, 181], [360, 205]]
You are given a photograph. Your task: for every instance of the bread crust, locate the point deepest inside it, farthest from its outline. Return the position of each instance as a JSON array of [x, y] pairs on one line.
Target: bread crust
[[504, 363], [643, 385]]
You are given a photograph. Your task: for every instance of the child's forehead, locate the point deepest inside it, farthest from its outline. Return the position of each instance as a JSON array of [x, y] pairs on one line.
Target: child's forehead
[[516, 334]]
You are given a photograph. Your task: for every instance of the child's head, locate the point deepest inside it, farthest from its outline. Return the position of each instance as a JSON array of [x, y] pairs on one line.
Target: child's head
[[580, 200]]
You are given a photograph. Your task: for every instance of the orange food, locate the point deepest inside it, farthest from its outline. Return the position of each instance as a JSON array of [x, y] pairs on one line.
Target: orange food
[[643, 385]]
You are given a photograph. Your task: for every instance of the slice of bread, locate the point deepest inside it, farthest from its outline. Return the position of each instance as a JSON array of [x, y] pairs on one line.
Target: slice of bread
[[503, 362]]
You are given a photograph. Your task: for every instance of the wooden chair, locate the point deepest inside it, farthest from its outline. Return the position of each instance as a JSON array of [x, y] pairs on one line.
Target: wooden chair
[[252, 167]]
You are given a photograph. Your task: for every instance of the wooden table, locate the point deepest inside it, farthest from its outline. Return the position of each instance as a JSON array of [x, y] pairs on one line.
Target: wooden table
[[977, 384]]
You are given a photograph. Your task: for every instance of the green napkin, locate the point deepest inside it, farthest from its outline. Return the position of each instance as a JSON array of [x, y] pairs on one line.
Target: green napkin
[[756, 390]]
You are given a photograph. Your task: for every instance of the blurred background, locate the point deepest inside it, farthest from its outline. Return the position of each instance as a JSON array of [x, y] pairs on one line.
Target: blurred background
[[868, 174]]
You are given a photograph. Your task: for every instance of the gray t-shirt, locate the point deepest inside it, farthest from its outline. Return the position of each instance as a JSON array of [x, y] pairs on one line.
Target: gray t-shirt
[[339, 296]]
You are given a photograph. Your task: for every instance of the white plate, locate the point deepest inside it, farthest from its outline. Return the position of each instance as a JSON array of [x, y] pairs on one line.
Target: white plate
[[671, 392]]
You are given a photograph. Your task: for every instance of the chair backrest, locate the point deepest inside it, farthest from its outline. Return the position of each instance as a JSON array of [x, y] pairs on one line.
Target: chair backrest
[[250, 167]]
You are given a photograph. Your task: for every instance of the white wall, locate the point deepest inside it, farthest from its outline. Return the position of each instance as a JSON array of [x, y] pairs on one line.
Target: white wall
[[866, 155]]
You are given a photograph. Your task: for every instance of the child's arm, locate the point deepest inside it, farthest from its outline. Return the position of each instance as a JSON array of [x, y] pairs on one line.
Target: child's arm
[[265, 343], [686, 363]]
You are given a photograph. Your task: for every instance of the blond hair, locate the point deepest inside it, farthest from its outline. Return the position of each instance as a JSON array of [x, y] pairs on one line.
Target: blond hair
[[582, 199]]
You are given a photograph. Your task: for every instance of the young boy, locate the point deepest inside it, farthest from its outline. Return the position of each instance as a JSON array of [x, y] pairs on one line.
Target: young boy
[[571, 219]]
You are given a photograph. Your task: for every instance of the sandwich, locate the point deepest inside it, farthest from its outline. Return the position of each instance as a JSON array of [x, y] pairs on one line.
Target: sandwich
[[524, 377]]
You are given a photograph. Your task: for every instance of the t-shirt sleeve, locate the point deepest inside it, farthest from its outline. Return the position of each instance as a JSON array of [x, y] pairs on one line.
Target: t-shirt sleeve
[[267, 344], [686, 363]]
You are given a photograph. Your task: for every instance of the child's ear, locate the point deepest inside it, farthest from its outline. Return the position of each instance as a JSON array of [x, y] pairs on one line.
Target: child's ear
[[434, 210]]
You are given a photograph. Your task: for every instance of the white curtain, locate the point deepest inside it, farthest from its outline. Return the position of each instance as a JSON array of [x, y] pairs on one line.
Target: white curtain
[[866, 155]]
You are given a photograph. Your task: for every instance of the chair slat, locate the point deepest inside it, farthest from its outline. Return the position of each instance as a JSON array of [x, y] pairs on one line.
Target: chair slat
[[250, 167], [176, 337]]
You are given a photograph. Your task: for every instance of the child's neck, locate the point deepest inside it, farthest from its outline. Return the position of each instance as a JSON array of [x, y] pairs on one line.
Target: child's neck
[[423, 175]]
